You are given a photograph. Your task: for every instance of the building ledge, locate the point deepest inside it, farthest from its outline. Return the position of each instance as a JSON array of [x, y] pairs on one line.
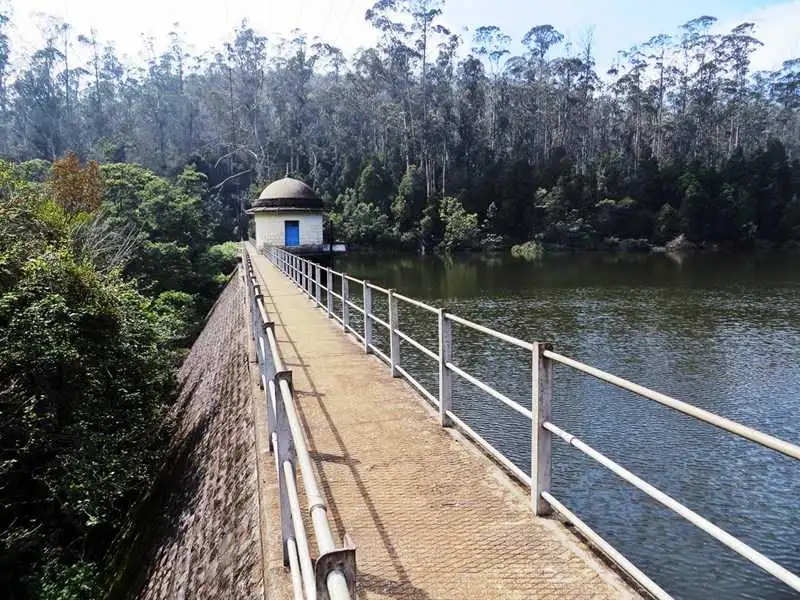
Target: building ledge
[[307, 249], [283, 209]]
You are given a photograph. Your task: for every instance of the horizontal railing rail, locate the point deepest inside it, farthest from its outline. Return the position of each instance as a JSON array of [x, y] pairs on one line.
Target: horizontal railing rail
[[332, 575], [543, 357]]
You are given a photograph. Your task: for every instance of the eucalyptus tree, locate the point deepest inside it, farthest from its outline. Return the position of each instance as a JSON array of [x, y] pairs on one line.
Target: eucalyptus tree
[[490, 43], [5, 67], [38, 105], [539, 137]]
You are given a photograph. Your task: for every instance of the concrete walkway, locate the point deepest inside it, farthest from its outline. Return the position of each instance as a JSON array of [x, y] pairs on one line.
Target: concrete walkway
[[431, 517]]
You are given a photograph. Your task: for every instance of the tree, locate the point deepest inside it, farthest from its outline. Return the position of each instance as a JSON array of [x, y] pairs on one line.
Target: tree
[[85, 370], [460, 227], [77, 189], [482, 126]]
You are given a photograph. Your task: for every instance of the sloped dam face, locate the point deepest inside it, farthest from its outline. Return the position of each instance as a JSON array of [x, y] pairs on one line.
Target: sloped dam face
[[198, 535]]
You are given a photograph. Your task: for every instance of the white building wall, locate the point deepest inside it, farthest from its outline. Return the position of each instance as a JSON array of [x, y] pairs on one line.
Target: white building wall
[[270, 229]]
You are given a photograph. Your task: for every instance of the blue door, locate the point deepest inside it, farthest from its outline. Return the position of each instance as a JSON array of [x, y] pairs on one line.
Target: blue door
[[292, 233]]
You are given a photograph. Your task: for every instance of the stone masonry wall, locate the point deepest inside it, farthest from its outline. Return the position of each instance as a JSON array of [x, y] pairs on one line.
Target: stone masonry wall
[[208, 541]]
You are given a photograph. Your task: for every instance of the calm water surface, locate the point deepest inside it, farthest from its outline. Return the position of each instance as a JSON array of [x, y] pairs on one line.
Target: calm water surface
[[722, 332]]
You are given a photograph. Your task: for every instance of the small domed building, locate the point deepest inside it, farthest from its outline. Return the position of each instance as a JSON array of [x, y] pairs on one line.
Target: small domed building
[[288, 214]]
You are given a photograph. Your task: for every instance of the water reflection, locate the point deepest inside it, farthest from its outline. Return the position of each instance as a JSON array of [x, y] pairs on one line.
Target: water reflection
[[720, 331]]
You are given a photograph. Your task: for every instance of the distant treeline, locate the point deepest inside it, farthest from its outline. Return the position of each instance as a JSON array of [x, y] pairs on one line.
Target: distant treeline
[[415, 142]]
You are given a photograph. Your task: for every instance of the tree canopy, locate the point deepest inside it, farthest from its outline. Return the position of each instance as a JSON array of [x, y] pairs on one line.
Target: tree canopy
[[92, 325], [679, 125]]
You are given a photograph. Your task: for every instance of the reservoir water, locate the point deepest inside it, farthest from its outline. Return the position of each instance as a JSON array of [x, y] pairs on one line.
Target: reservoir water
[[719, 331]]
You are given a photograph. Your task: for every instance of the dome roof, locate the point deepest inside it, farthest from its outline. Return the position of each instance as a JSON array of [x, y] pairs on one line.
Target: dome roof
[[287, 193]]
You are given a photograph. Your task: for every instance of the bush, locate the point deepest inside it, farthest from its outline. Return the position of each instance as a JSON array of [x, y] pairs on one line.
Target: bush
[[531, 250], [460, 227], [224, 257], [86, 368]]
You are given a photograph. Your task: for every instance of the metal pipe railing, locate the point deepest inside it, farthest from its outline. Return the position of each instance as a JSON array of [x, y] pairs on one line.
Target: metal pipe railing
[[294, 569], [698, 413], [717, 533], [377, 288], [416, 303], [648, 584], [491, 332], [289, 445], [418, 386], [542, 429], [490, 390], [427, 352], [304, 556]]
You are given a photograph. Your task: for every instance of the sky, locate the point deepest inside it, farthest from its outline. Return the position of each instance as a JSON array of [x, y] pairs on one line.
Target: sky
[[612, 25]]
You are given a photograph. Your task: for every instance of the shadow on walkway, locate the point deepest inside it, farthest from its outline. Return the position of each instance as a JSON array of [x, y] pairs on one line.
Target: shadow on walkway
[[400, 588]]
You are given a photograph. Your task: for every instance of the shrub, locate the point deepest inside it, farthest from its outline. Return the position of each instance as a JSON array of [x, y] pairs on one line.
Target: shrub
[[531, 250], [86, 368]]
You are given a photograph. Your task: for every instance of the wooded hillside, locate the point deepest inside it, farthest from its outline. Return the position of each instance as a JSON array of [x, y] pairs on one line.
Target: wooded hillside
[[680, 136]]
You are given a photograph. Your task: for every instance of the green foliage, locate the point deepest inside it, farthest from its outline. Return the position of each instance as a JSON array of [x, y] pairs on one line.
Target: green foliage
[[460, 227], [667, 224], [791, 220], [694, 210], [531, 250], [409, 201], [87, 359], [173, 250], [77, 581], [224, 257], [34, 170], [180, 309], [373, 188], [85, 371], [357, 222], [560, 153]]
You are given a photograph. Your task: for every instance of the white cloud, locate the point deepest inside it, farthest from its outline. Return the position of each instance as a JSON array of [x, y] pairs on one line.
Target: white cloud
[[618, 24], [777, 28], [201, 24]]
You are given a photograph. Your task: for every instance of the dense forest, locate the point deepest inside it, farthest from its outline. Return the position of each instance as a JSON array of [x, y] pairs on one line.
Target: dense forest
[[123, 186], [435, 139], [106, 273]]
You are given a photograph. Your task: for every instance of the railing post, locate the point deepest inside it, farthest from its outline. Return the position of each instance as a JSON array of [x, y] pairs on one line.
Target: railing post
[[317, 284], [345, 298], [285, 452], [445, 376], [394, 339], [367, 320], [329, 294], [541, 438]]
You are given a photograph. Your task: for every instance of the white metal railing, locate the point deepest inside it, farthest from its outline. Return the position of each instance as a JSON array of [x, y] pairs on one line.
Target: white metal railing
[[332, 575], [308, 275]]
